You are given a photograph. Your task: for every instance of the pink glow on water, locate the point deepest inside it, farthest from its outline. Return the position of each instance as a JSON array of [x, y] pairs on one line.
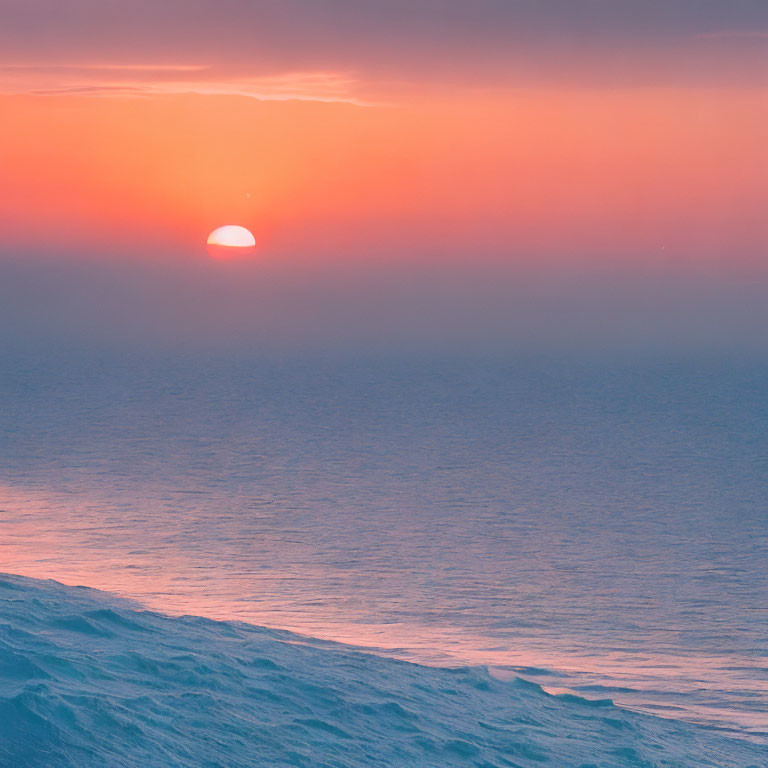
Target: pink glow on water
[[141, 556]]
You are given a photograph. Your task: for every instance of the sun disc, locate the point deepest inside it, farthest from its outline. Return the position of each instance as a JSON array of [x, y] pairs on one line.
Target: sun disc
[[232, 236]]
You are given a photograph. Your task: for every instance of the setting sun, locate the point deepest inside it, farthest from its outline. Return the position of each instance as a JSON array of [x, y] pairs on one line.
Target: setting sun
[[231, 240], [232, 236]]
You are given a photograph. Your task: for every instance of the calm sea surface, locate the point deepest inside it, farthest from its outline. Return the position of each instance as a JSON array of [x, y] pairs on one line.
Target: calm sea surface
[[597, 526]]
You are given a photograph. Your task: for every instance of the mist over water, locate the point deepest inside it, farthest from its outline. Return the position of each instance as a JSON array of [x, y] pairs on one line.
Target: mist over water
[[414, 303], [592, 522]]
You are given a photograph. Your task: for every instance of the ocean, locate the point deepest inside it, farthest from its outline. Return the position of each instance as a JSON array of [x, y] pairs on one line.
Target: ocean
[[593, 524]]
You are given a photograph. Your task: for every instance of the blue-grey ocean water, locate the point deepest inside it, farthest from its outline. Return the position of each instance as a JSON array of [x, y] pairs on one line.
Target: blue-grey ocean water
[[595, 525]]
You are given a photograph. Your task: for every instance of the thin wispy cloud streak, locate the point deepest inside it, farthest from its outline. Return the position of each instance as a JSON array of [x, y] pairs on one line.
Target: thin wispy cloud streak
[[735, 34], [129, 67], [130, 79]]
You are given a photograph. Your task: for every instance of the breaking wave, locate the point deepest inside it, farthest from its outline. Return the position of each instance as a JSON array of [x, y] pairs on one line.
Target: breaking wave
[[87, 679]]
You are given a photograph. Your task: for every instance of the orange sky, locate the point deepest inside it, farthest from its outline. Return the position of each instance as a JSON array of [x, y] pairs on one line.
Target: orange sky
[[634, 172]]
